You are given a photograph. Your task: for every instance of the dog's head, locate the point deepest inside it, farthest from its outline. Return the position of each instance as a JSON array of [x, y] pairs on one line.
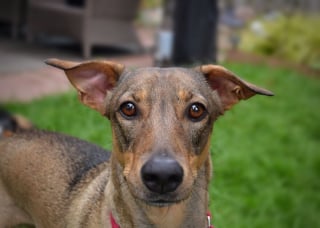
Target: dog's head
[[161, 119]]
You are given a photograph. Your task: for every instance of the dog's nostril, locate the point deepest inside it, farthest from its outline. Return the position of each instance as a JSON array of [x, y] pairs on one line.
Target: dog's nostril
[[150, 177], [175, 178], [162, 174]]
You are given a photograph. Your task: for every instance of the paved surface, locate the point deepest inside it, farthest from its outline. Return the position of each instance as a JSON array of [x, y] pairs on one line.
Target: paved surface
[[24, 76]]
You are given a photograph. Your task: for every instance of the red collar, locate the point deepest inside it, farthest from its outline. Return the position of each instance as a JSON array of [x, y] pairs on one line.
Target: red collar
[[114, 224], [209, 218]]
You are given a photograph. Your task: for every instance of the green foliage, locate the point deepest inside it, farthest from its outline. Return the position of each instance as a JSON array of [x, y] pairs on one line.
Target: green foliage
[[147, 4], [293, 38], [265, 151]]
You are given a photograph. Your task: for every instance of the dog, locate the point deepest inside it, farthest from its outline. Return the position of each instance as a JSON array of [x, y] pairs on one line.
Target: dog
[[158, 172]]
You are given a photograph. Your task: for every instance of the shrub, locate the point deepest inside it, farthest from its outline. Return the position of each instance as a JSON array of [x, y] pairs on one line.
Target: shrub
[[294, 38]]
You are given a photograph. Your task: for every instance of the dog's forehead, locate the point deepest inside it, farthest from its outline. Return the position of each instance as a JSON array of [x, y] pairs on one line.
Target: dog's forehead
[[164, 78]]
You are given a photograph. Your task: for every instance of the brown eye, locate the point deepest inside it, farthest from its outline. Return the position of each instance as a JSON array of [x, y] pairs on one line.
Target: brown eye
[[128, 110], [196, 112]]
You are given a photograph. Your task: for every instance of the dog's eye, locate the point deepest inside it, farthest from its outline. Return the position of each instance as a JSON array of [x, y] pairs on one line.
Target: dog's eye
[[196, 112], [128, 110]]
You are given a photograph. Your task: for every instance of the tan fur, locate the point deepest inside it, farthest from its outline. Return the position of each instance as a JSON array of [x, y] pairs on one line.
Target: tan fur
[[52, 180]]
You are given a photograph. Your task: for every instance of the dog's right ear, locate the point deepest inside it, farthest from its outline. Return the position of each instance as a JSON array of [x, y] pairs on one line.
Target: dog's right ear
[[92, 79]]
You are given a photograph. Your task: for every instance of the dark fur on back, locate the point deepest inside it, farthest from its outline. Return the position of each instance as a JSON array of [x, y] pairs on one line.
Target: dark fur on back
[[83, 155]]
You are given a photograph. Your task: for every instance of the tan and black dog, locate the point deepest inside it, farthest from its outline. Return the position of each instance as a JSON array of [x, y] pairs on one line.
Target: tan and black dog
[[158, 172]]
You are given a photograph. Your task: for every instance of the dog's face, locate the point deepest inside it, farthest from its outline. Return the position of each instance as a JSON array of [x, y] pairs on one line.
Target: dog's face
[[161, 119]]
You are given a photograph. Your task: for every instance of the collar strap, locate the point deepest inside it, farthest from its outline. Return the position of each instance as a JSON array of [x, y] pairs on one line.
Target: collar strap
[[114, 224], [209, 220]]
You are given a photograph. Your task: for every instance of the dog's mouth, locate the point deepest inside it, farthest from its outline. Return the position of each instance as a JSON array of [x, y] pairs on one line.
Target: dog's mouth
[[161, 202]]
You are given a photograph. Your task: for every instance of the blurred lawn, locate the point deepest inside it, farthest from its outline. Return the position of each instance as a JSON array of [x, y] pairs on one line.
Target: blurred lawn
[[266, 151]]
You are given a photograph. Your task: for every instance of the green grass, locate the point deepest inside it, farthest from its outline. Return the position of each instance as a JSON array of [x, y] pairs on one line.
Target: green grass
[[266, 151], [66, 114]]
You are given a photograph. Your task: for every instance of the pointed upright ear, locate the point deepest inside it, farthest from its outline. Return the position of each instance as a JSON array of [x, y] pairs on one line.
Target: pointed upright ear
[[230, 88], [93, 79]]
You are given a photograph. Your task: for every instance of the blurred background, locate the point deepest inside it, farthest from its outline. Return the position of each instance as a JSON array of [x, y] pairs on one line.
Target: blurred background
[[266, 151], [151, 32]]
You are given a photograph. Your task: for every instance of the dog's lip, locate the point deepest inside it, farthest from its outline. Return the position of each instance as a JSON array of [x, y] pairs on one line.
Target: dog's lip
[[161, 202]]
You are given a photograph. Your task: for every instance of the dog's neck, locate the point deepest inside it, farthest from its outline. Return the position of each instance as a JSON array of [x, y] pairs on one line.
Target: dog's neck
[[135, 213]]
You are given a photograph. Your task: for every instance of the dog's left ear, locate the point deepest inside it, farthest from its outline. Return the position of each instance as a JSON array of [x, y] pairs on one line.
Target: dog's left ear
[[93, 80], [230, 88]]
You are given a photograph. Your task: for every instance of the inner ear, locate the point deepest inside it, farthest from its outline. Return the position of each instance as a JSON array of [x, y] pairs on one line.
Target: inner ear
[[93, 80], [92, 76]]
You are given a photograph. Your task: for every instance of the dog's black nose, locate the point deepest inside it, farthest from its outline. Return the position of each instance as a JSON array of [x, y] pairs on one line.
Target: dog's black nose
[[162, 174]]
